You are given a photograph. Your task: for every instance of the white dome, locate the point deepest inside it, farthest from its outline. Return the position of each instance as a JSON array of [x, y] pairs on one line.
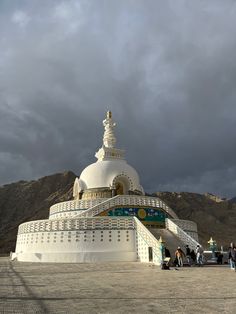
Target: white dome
[[107, 172]]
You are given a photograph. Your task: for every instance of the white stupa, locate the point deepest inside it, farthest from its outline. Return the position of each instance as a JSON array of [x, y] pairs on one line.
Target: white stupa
[[111, 174], [109, 219]]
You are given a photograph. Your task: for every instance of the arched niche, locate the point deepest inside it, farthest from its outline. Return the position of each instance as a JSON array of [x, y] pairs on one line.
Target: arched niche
[[78, 188], [122, 185]]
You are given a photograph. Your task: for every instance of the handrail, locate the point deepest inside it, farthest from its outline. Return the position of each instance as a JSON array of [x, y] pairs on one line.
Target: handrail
[[90, 223], [186, 224], [181, 234], [97, 209], [96, 223], [148, 237], [74, 205], [132, 200]]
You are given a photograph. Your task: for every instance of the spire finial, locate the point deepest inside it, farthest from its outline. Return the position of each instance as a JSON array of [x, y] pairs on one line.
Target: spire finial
[[108, 151], [109, 114], [109, 139]]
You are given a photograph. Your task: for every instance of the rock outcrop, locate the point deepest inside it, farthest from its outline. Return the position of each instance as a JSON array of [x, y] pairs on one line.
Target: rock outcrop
[[30, 200]]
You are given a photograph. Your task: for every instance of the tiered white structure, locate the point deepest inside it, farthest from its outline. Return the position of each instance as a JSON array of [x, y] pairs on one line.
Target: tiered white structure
[[108, 219]]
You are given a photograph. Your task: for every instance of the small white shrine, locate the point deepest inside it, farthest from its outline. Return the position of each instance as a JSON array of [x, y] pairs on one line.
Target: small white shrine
[[109, 219]]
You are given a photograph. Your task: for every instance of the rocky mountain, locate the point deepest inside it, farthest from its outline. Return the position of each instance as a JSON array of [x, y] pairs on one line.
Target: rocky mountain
[[30, 200], [233, 200]]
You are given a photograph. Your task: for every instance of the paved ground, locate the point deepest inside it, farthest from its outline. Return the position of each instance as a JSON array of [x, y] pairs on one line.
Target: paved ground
[[114, 288]]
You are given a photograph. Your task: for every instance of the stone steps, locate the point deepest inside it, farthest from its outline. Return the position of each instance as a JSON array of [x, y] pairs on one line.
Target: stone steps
[[171, 241]]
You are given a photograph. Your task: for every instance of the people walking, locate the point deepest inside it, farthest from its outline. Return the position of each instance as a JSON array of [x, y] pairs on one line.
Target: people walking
[[232, 256], [179, 255], [219, 257], [188, 254], [167, 255], [199, 255], [166, 262], [193, 256]]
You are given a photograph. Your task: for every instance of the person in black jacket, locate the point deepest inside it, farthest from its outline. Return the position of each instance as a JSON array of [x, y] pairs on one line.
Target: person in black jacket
[[232, 256], [193, 256], [219, 257], [188, 254], [167, 253]]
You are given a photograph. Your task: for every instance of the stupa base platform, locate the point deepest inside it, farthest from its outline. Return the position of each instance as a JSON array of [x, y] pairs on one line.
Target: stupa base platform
[[73, 257]]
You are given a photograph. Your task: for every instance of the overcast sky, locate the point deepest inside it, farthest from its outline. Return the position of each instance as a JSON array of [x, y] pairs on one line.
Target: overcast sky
[[167, 70]]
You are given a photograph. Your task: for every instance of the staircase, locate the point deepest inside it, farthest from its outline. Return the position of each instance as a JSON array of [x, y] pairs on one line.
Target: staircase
[[171, 241], [126, 200]]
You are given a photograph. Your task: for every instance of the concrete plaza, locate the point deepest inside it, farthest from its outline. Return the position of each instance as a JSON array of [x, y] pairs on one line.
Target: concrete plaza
[[114, 288]]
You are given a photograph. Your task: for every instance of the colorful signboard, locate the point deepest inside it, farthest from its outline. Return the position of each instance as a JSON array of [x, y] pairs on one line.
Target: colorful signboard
[[149, 216]]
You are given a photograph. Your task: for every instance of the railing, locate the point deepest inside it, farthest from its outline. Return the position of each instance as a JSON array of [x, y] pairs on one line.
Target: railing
[[97, 209], [64, 214], [181, 234], [144, 237], [186, 224], [91, 223], [74, 205], [149, 239], [127, 200]]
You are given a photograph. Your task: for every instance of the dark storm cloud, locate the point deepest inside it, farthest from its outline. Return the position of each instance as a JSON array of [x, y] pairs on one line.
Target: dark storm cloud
[[166, 69]]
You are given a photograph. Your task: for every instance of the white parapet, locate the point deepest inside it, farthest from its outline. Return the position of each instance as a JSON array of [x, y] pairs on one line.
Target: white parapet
[[71, 208], [127, 200], [86, 240], [146, 242], [77, 240], [181, 234], [190, 227]]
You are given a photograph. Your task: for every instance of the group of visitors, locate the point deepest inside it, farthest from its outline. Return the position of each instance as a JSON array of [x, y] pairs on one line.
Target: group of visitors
[[192, 257], [196, 257], [232, 256]]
